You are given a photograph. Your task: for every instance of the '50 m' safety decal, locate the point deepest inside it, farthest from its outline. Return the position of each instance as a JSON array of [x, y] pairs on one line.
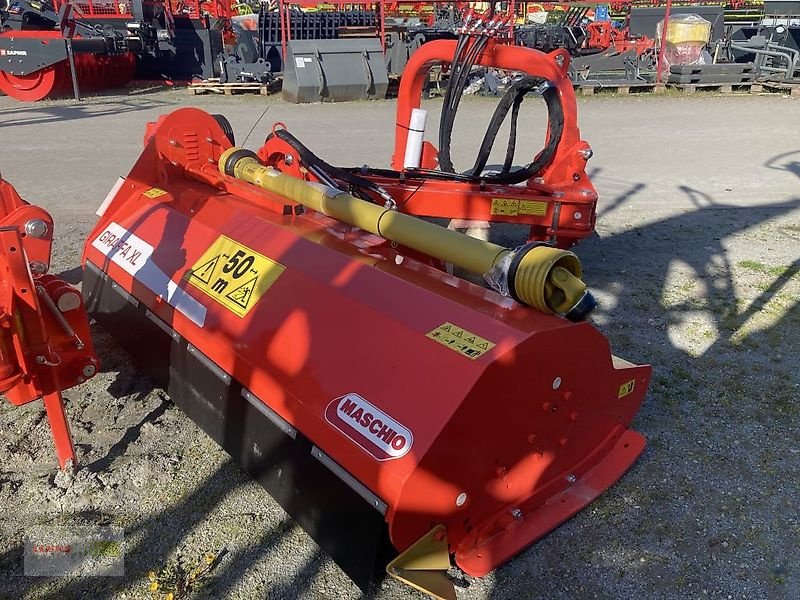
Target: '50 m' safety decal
[[234, 275]]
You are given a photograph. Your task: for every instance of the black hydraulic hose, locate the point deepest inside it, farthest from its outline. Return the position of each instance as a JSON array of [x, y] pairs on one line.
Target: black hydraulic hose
[[455, 65], [449, 109], [311, 159], [512, 100], [415, 174], [455, 72], [512, 135], [469, 62]]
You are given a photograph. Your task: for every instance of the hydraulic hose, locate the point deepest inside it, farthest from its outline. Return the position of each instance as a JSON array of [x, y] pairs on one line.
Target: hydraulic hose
[[511, 101], [312, 160], [455, 91]]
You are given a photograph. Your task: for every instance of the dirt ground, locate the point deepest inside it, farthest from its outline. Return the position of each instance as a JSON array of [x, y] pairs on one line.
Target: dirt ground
[[696, 263]]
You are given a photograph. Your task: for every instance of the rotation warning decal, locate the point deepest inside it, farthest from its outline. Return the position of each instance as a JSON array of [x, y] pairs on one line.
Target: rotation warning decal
[[460, 340], [513, 207], [234, 275]]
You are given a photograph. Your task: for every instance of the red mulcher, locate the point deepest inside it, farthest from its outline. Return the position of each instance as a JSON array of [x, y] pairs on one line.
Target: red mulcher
[[375, 396]]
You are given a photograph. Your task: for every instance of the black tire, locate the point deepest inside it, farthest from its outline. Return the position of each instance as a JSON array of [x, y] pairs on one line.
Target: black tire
[[226, 128]]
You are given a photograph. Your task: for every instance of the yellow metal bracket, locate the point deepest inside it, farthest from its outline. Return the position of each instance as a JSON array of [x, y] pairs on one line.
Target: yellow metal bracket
[[424, 565]]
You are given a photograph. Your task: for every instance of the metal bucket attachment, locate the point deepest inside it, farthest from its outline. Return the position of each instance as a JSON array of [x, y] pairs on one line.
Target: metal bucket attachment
[[334, 70]]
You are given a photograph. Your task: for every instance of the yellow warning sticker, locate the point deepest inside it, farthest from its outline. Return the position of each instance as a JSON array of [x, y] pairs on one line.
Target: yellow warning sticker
[[505, 206], [511, 207], [626, 388], [154, 193], [532, 207], [460, 340], [234, 275]]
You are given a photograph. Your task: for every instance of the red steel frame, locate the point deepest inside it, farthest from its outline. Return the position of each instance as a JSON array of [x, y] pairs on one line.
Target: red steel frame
[[563, 194], [562, 184], [45, 343]]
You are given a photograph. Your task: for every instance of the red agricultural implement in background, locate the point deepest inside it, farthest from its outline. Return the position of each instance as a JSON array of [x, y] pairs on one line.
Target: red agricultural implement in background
[[45, 344], [603, 36], [56, 49]]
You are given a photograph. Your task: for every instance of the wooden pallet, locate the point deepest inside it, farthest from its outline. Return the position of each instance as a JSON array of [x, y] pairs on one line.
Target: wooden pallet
[[212, 86], [720, 88], [792, 89], [619, 88]]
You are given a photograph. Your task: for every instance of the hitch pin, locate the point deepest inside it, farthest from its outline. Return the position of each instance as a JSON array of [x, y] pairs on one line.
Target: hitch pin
[[41, 360], [48, 301]]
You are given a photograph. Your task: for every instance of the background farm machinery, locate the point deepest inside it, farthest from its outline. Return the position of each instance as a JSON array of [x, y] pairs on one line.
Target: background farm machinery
[[49, 50], [344, 51]]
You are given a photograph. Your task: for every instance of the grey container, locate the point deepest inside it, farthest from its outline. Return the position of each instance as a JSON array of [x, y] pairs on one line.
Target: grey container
[[336, 70]]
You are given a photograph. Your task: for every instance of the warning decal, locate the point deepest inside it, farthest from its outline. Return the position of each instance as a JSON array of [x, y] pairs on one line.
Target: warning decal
[[460, 340], [626, 388], [154, 193], [513, 208], [234, 275]]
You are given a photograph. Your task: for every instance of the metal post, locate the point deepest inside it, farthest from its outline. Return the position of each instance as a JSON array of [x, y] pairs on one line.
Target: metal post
[[59, 426], [284, 29], [75, 89], [660, 66], [66, 25], [382, 17], [513, 9]]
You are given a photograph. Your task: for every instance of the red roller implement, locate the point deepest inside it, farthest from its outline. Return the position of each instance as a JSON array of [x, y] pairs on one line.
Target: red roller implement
[[94, 71]]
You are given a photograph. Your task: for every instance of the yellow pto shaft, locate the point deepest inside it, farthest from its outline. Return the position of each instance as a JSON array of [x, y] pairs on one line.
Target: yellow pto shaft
[[539, 276]]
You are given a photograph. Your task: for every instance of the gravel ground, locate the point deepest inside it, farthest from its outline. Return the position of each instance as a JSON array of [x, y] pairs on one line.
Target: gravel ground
[[696, 262]]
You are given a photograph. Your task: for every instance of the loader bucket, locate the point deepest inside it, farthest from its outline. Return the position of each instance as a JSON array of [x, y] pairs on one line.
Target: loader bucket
[[375, 397]]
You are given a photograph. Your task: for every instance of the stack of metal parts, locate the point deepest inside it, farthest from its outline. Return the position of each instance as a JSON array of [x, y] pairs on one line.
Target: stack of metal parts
[[403, 37], [731, 73]]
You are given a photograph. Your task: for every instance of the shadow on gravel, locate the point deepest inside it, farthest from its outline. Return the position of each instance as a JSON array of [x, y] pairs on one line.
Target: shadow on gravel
[[43, 113], [72, 276], [710, 504], [131, 434], [788, 161]]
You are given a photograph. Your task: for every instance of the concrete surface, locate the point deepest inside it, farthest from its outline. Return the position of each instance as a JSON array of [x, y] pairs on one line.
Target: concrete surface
[[695, 262]]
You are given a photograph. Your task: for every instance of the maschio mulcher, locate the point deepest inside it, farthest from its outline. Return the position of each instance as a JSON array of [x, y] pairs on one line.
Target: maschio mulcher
[[315, 336]]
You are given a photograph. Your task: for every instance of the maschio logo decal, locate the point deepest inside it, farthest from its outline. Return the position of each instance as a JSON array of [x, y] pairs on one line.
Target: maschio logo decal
[[369, 427]]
